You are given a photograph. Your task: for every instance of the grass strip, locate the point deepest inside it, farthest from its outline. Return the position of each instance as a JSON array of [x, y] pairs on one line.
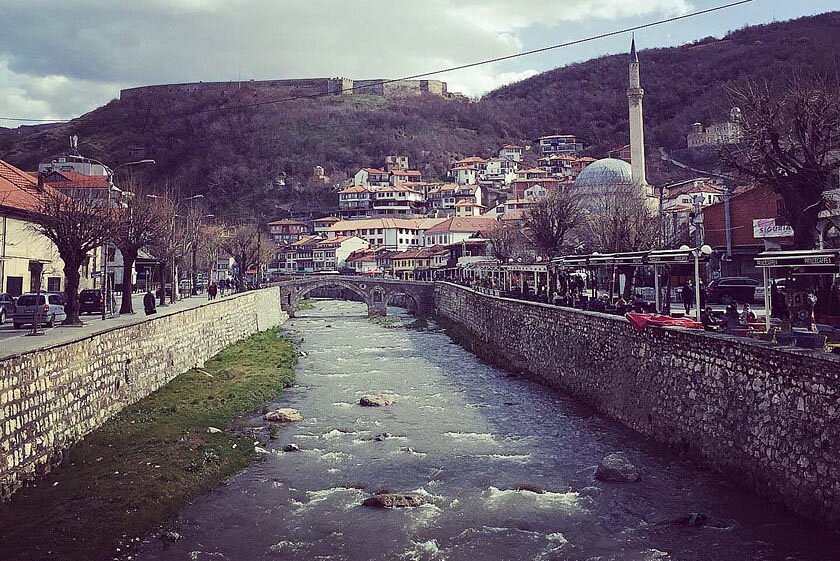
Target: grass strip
[[142, 466]]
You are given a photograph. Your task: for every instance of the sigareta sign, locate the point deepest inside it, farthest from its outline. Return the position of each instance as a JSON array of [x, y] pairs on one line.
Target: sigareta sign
[[767, 228]]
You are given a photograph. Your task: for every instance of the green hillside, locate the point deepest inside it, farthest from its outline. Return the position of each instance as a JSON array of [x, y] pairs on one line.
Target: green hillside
[[241, 158]]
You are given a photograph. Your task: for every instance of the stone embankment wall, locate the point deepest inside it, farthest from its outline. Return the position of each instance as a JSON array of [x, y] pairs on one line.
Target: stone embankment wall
[[51, 398], [765, 417]]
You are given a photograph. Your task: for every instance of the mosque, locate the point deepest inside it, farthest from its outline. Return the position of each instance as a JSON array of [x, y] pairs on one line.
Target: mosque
[[609, 175]]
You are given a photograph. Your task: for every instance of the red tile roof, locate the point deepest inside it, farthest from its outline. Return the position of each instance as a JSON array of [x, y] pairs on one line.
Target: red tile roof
[[464, 224], [18, 189], [75, 180]]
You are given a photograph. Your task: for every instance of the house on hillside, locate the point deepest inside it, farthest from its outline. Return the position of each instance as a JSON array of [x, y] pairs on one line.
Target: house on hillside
[[355, 202], [322, 225], [512, 152], [559, 144], [287, 231], [405, 176], [371, 177]]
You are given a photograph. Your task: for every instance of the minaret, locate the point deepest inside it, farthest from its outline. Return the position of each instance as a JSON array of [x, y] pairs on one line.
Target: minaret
[[635, 93]]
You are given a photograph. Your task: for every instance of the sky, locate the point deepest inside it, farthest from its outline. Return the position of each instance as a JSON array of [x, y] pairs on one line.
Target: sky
[[62, 58]]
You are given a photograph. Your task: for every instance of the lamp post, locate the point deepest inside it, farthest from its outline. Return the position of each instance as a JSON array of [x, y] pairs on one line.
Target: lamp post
[[697, 253], [193, 276], [110, 173]]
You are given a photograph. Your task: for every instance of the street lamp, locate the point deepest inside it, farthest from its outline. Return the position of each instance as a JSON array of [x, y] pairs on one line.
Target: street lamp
[[110, 172], [697, 253]]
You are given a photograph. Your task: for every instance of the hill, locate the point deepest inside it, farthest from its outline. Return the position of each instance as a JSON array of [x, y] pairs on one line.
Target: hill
[[262, 157]]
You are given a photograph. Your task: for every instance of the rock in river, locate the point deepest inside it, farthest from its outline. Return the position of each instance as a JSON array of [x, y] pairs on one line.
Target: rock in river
[[376, 400], [616, 468], [394, 500], [291, 447], [283, 415]]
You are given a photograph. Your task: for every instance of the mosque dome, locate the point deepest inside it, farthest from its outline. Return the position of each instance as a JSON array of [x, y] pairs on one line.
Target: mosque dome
[[606, 172]]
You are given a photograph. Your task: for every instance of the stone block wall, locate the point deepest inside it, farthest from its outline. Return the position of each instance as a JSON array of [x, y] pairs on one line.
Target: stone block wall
[[765, 417], [52, 398]]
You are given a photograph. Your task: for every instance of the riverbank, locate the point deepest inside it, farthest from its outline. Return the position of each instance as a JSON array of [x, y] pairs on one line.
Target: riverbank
[[142, 466]]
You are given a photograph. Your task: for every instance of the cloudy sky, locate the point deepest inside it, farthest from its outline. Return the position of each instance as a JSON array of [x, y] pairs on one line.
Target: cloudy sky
[[62, 58]]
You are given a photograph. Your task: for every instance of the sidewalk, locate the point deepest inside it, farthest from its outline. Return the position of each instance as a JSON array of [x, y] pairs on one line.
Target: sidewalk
[[16, 341]]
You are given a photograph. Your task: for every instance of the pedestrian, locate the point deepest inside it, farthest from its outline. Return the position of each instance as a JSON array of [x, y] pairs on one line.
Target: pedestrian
[[708, 320], [212, 291], [687, 294], [149, 303], [747, 315], [222, 287]]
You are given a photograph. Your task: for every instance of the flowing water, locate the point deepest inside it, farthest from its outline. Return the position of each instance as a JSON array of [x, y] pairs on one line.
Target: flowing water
[[506, 466]]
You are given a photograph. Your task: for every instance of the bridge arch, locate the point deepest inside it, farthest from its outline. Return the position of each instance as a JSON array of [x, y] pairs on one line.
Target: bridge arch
[[376, 293], [302, 291]]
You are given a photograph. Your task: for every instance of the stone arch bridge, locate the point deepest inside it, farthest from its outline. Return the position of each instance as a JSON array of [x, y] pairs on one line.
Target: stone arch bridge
[[376, 293]]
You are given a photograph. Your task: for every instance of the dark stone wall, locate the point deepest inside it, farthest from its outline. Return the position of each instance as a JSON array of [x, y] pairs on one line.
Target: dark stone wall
[[767, 418], [51, 398]]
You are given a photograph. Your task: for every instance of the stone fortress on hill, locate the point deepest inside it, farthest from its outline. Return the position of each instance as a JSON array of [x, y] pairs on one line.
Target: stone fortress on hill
[[305, 86]]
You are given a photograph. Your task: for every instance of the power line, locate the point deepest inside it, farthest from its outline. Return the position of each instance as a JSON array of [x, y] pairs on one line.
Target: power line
[[434, 72]]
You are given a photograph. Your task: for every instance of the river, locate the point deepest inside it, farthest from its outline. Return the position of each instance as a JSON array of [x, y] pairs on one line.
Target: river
[[506, 466]]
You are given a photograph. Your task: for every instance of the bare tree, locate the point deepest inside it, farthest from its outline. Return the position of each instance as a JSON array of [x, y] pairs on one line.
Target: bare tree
[[140, 222], [243, 242], [77, 226], [505, 240], [551, 219], [789, 141], [619, 219]]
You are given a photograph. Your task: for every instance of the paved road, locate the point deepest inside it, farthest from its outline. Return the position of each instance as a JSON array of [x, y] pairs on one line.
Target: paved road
[[16, 341]]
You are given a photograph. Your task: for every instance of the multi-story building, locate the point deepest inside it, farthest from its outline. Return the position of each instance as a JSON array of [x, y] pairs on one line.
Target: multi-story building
[[511, 152], [355, 202], [322, 225], [457, 229], [330, 254], [464, 174], [444, 198], [395, 163], [681, 210], [397, 200], [558, 165], [560, 144], [728, 132], [24, 252], [371, 177], [499, 171], [518, 187], [287, 231], [363, 261], [396, 234], [467, 208], [419, 263], [405, 176]]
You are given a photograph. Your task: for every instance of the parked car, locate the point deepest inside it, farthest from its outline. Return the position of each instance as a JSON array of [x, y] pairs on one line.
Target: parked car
[[90, 301], [7, 306], [48, 305], [726, 290]]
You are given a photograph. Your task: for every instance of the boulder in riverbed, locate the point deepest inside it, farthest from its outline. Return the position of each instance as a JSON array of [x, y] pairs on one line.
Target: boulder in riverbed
[[394, 500], [291, 447], [616, 468], [284, 415], [376, 400]]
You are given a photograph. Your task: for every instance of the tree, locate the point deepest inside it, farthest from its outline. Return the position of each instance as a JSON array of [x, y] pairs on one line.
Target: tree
[[140, 222], [551, 219], [243, 243], [505, 240], [789, 141], [77, 226], [620, 219]]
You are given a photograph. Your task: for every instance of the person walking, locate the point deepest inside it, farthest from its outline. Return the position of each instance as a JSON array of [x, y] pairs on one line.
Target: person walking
[[688, 296], [211, 291], [149, 303]]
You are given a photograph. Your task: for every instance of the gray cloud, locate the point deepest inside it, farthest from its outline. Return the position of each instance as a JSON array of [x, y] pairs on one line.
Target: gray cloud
[[61, 58]]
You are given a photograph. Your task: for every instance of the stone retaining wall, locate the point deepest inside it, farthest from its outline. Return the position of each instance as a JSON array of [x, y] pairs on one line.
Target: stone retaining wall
[[765, 417], [51, 398]]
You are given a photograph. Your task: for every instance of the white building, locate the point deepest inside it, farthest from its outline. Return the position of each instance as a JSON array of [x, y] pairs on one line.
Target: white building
[[511, 152], [371, 177], [458, 229], [397, 200], [464, 174], [330, 254], [396, 234], [500, 171]]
